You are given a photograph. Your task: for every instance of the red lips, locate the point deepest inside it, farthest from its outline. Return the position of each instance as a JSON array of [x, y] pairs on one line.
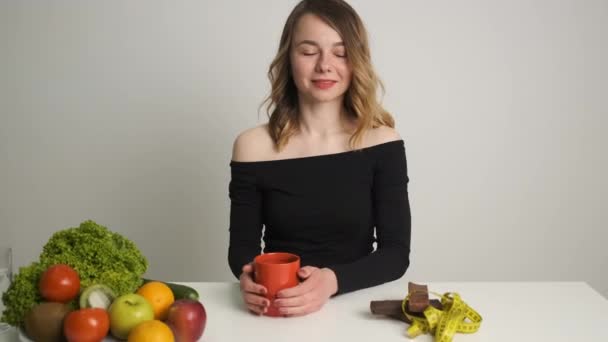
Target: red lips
[[324, 84]]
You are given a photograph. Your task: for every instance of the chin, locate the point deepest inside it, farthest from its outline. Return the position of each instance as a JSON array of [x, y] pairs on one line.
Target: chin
[[325, 96]]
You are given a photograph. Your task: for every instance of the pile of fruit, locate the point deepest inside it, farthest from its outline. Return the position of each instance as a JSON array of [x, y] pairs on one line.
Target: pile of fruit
[[157, 311], [88, 283]]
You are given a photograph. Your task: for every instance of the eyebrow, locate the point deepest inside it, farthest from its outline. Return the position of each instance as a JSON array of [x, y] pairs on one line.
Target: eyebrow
[[311, 42]]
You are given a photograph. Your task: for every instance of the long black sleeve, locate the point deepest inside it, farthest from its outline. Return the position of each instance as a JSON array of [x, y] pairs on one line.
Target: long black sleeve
[[245, 218], [392, 219]]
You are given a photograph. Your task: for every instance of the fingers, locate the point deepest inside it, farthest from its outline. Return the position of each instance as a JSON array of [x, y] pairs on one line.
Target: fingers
[[306, 271], [256, 303], [247, 283], [254, 299], [307, 297], [309, 282], [296, 291], [258, 310], [249, 286], [302, 288], [248, 268], [292, 301], [300, 310], [298, 300], [253, 293]]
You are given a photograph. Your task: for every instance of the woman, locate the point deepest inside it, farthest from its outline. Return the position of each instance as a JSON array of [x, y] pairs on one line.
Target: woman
[[327, 171]]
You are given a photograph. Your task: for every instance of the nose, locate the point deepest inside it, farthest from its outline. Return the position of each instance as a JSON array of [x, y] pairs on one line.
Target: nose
[[323, 63]]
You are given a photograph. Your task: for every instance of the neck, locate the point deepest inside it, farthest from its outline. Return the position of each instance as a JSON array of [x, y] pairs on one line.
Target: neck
[[323, 119]]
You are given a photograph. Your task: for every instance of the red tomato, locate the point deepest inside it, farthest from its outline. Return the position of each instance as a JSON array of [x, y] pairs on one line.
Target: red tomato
[[59, 283], [86, 325]]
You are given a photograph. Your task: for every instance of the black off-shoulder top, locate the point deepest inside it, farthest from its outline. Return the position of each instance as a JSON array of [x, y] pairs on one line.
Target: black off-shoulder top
[[346, 211]]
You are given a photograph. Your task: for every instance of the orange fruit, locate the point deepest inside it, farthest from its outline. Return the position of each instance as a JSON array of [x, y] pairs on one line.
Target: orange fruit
[[160, 297], [151, 331]]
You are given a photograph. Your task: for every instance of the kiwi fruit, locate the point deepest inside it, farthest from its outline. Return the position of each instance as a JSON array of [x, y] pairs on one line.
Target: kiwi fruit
[[44, 322], [97, 296]]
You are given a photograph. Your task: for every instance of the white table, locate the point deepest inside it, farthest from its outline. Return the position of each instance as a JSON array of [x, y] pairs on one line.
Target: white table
[[512, 311]]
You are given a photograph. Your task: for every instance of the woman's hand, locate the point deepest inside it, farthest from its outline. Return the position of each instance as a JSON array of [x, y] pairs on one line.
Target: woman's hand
[[253, 293], [310, 295]]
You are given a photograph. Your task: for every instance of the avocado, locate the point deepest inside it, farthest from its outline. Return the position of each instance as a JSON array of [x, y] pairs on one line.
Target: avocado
[[44, 322]]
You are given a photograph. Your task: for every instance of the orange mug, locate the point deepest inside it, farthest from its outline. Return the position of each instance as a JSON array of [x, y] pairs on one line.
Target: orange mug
[[276, 271]]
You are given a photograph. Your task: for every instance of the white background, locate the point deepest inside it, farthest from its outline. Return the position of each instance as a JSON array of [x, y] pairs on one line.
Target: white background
[[124, 112]]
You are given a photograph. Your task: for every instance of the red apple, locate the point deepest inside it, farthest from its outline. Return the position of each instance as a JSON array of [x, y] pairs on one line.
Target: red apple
[[187, 319]]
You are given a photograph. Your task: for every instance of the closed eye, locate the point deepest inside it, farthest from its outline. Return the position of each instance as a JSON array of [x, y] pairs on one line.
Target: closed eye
[[314, 53]]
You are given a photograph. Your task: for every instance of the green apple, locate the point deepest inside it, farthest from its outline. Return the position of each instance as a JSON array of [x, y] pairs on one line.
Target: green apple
[[126, 312]]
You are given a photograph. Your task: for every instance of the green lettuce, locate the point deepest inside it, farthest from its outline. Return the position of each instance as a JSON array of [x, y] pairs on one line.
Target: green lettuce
[[99, 255]]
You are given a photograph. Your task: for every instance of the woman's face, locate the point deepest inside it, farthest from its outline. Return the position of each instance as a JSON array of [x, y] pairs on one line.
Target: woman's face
[[319, 65]]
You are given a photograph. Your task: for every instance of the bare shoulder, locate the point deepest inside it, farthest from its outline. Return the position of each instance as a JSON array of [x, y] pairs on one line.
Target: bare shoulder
[[253, 144], [380, 135]]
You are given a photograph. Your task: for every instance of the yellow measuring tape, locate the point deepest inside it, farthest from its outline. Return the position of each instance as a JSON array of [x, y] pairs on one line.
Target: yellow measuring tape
[[443, 324]]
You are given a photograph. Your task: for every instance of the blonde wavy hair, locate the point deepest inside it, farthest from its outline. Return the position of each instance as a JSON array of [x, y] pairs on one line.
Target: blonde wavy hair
[[360, 100]]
